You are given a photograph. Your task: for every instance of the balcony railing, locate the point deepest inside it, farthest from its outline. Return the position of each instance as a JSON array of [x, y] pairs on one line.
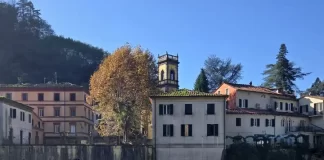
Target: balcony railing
[[168, 81], [308, 128], [168, 57]]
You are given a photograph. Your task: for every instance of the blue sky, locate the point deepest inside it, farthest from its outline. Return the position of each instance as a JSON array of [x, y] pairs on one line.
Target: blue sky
[[250, 31]]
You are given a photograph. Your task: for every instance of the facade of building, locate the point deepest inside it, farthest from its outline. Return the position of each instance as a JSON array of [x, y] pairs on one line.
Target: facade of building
[[188, 125], [66, 115], [15, 122], [253, 110], [38, 129]]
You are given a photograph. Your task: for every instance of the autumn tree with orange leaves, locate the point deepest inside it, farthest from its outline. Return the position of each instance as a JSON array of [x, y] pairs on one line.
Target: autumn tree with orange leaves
[[121, 87]]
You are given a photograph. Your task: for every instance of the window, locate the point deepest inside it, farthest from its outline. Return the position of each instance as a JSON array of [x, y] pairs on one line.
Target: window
[[56, 111], [188, 109], [286, 104], [255, 122], [162, 75], [72, 97], [186, 130], [72, 111], [40, 96], [219, 92], [56, 128], [72, 128], [41, 112], [98, 116], [240, 103], [210, 108], [270, 122], [246, 104], [13, 113], [167, 130], [283, 122], [306, 108], [281, 105], [227, 91], [212, 129], [172, 75], [165, 109], [238, 121], [275, 105], [24, 96], [29, 118], [291, 107], [56, 96], [8, 95], [22, 116]]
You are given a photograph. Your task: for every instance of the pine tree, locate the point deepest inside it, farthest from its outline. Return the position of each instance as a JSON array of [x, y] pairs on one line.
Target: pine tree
[[316, 89], [201, 82], [283, 73]]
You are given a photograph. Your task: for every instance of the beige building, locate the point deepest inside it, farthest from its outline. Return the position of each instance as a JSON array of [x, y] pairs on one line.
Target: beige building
[[37, 129], [66, 115]]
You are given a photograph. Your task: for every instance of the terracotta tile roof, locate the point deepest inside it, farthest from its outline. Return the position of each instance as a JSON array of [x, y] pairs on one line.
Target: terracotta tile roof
[[260, 89], [262, 112], [187, 93]]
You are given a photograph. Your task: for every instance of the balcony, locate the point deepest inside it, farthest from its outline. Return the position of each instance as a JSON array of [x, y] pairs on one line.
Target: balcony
[[168, 81], [308, 128], [167, 57]]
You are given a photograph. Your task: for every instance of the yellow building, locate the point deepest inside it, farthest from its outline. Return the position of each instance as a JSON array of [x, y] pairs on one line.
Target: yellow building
[[168, 66], [66, 115]]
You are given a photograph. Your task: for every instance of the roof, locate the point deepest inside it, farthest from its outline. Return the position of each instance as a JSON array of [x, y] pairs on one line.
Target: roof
[[262, 112], [316, 97], [259, 89], [16, 104], [187, 93], [42, 86]]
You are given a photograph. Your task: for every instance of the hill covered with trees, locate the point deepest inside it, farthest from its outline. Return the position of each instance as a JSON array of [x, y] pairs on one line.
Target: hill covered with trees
[[31, 52]]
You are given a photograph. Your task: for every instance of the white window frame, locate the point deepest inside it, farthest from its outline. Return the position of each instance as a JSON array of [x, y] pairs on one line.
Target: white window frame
[[41, 112], [168, 129], [165, 109], [57, 128]]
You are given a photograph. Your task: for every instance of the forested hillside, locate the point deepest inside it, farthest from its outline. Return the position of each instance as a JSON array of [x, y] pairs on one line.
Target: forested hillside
[[31, 52]]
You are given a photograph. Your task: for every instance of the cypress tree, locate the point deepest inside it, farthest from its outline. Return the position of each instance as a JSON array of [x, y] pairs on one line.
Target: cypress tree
[[201, 82], [283, 73]]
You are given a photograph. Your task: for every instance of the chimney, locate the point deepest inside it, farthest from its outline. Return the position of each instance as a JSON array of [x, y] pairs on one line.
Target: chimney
[[251, 83]]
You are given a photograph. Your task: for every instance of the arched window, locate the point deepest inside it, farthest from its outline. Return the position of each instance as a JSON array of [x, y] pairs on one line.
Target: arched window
[[172, 75], [162, 75]]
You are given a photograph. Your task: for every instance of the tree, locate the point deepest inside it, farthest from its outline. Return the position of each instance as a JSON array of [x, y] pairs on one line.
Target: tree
[[121, 87], [201, 82], [219, 71], [31, 52], [283, 73], [316, 89]]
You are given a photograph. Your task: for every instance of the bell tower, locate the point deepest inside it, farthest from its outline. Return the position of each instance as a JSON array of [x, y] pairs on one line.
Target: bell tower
[[168, 72]]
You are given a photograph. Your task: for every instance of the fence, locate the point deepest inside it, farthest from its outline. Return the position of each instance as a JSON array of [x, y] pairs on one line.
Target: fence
[[76, 152]]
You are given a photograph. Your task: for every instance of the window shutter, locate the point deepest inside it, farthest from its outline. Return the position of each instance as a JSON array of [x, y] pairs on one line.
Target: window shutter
[[164, 130], [190, 129], [246, 103], [182, 130], [171, 130], [292, 107], [161, 109], [267, 122], [252, 121], [281, 105], [209, 129], [273, 123], [14, 113], [275, 105], [286, 106], [240, 103], [171, 109], [258, 122], [216, 129]]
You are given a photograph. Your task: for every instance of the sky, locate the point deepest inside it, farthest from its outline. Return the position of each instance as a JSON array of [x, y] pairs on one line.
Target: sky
[[247, 31]]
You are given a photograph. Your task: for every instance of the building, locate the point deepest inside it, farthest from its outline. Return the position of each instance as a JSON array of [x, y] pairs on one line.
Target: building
[[37, 130], [254, 110], [62, 107], [168, 66], [313, 107], [15, 122], [188, 125]]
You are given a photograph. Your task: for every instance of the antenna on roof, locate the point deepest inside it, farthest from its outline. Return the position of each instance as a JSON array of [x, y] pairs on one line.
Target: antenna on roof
[[55, 77]]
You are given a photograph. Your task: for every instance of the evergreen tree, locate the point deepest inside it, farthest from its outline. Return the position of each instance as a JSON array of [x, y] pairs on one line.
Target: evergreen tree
[[283, 73], [202, 82], [316, 89]]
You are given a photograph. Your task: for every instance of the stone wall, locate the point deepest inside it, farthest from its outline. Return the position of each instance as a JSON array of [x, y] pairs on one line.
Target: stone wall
[[76, 152]]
